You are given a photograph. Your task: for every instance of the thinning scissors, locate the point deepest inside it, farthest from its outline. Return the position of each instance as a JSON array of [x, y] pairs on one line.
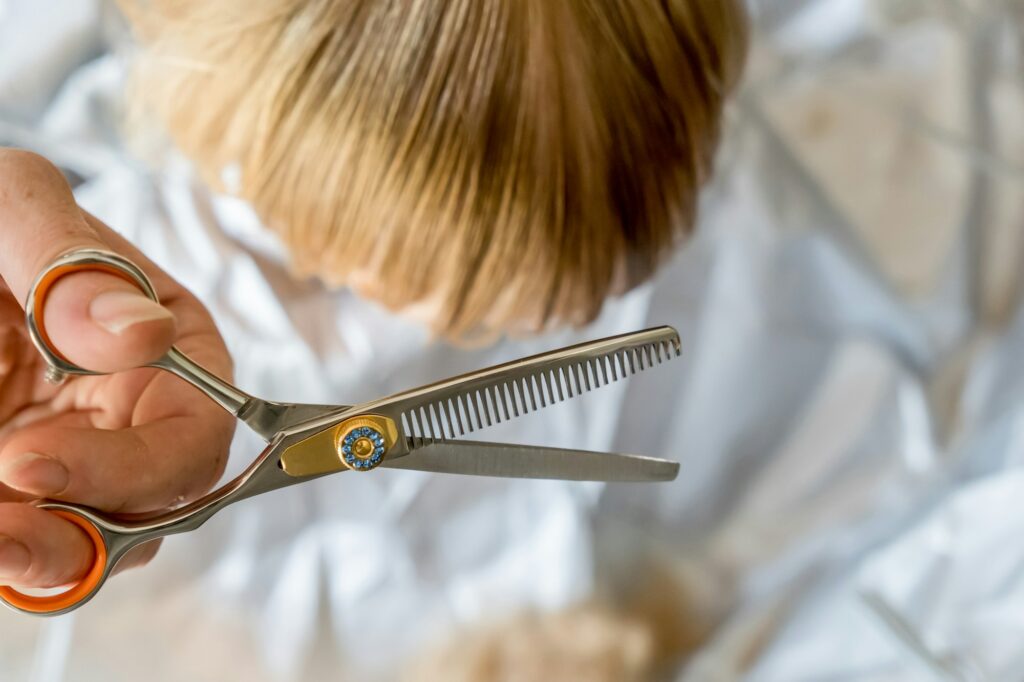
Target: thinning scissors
[[411, 430]]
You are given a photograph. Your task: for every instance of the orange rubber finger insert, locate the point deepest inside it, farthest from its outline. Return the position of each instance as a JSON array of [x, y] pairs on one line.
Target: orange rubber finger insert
[[46, 283], [81, 590]]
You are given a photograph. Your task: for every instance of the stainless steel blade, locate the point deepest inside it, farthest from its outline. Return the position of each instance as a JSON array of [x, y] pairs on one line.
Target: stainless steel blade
[[451, 408], [477, 458]]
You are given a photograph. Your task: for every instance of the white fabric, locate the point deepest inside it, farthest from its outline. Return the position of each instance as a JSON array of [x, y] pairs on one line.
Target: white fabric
[[847, 410]]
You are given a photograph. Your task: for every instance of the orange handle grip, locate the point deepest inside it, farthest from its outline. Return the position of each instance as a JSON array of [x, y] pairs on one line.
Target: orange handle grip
[[45, 284], [79, 591]]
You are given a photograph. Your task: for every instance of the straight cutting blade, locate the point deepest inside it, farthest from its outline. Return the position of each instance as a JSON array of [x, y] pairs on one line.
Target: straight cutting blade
[[476, 458]]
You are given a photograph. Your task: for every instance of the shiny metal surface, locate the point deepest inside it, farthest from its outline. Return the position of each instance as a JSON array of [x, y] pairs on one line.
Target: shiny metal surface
[[322, 453], [414, 428], [475, 458], [122, 534], [58, 368], [454, 407], [264, 417]]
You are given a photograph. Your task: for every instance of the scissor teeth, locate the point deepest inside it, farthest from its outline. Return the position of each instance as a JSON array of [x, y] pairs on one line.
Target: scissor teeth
[[479, 405], [556, 379], [510, 388], [492, 396], [485, 408], [514, 397], [449, 411], [415, 431], [424, 424], [435, 431], [537, 391], [496, 400], [501, 389], [448, 425], [491, 402]]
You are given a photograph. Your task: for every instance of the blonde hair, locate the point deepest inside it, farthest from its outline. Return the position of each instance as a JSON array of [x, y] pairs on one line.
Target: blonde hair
[[510, 162]]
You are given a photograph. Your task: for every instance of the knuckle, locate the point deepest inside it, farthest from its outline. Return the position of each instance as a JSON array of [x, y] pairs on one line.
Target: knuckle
[[19, 165]]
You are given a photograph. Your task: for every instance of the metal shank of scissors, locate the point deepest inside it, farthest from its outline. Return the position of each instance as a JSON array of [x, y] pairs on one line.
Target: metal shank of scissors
[[309, 441]]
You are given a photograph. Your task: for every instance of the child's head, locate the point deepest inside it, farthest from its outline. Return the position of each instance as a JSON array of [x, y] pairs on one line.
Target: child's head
[[506, 163]]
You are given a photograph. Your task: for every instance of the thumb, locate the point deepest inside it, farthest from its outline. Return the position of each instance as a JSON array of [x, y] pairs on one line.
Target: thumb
[[103, 323], [96, 320]]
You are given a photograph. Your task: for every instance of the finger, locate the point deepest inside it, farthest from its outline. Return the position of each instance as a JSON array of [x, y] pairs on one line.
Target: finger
[[103, 323], [142, 468], [40, 549], [39, 219], [197, 333], [95, 320], [138, 556]]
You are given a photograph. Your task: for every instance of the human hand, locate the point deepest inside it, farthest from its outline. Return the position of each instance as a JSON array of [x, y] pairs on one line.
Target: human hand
[[135, 441]]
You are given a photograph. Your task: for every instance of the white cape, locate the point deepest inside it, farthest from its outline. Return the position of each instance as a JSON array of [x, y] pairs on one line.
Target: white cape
[[847, 410]]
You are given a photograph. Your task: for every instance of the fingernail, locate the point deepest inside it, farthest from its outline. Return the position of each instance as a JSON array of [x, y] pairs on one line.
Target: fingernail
[[34, 474], [14, 558], [115, 311]]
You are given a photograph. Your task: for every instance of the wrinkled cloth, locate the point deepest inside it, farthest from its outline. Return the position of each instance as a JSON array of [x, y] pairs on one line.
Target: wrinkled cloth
[[846, 411]]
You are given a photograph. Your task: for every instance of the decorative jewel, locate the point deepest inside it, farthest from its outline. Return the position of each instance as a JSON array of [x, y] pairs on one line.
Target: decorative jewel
[[363, 448]]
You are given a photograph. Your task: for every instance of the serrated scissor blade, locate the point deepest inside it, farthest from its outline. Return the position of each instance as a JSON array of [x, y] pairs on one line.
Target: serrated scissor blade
[[454, 407]]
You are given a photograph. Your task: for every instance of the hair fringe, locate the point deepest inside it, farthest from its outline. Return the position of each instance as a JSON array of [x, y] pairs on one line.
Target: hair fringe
[[510, 163]]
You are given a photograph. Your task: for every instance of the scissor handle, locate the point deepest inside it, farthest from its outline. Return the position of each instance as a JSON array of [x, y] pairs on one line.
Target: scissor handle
[[112, 538], [58, 366], [77, 594]]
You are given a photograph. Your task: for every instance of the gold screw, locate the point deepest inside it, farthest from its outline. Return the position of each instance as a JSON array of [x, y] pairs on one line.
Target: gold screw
[[362, 448]]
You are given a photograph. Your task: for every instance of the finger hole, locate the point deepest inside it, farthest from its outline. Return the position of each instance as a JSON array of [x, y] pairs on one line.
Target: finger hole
[[100, 321], [61, 599]]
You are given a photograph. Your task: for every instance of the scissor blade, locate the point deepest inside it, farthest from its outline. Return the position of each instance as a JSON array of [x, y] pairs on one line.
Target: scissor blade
[[454, 407], [477, 458]]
